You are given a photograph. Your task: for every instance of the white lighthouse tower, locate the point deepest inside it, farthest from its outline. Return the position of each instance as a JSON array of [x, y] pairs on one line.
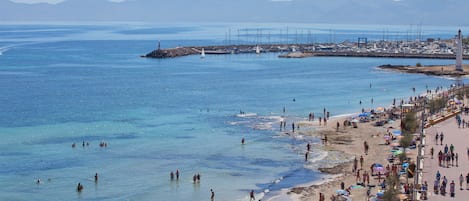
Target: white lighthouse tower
[[459, 52]]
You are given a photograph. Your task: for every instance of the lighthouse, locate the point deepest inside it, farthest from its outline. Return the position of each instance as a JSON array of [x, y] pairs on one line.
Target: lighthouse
[[459, 52]]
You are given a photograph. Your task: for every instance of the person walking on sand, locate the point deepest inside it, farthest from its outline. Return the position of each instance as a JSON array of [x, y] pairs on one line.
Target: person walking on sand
[[441, 138], [431, 152], [212, 196], [452, 188], [320, 120], [467, 181], [436, 138], [365, 147], [361, 162], [461, 181], [337, 127], [251, 196]]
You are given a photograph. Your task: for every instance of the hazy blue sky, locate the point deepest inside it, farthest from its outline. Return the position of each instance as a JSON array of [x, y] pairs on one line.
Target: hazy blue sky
[[405, 12]]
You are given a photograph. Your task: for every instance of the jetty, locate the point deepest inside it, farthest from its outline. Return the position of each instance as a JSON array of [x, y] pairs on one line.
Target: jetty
[[430, 49]]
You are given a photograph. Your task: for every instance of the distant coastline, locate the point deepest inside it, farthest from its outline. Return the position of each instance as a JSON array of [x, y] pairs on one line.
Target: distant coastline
[[429, 49], [438, 70], [289, 50]]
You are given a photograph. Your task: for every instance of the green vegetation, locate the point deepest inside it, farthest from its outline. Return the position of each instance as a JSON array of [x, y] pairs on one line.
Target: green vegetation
[[418, 64], [392, 183], [409, 125], [437, 104]]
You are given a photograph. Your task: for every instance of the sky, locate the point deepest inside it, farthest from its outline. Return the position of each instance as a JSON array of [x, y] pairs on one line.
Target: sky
[[382, 12]]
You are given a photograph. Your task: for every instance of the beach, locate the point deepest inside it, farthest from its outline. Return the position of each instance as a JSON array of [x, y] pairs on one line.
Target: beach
[[347, 141], [159, 116]]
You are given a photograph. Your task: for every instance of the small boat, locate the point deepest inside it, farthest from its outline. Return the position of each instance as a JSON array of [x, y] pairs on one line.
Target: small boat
[[202, 54], [258, 50]]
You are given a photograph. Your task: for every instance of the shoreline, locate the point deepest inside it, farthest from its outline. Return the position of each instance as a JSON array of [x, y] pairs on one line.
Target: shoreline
[[347, 142]]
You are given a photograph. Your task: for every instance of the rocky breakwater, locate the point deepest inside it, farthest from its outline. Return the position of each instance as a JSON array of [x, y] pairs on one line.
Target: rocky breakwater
[[434, 70], [172, 52]]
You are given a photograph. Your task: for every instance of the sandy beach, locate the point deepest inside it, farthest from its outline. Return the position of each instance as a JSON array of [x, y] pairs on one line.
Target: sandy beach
[[349, 141]]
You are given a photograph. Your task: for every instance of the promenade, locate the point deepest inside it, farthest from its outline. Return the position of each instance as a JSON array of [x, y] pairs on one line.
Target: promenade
[[458, 137]]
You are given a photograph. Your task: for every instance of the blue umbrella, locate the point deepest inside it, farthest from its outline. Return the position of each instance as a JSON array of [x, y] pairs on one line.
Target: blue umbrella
[[377, 165], [396, 132], [341, 192], [364, 114]]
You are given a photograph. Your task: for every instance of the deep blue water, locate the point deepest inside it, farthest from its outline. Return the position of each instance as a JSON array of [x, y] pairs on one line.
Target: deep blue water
[[64, 84]]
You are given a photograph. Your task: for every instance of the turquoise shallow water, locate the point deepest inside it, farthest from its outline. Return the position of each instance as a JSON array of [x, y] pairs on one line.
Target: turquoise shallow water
[[67, 84]]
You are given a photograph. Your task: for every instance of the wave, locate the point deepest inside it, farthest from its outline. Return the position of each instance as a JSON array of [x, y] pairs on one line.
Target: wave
[[246, 115]]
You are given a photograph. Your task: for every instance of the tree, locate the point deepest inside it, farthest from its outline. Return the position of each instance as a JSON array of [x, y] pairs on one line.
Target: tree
[[437, 104], [410, 123], [391, 192]]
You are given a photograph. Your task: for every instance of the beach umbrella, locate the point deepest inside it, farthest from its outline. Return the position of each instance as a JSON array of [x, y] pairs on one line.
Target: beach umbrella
[[379, 169], [398, 152], [396, 132], [380, 193], [379, 110], [405, 165], [364, 114], [341, 192]]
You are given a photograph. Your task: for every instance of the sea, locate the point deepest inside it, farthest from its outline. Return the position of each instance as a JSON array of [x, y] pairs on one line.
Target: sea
[[64, 83]]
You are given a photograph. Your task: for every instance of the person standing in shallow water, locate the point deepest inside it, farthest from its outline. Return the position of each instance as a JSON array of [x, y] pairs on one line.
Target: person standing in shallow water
[[251, 196], [79, 187], [212, 196]]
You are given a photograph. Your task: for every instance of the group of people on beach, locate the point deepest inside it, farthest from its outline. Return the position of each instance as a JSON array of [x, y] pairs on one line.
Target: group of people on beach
[[440, 187]]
